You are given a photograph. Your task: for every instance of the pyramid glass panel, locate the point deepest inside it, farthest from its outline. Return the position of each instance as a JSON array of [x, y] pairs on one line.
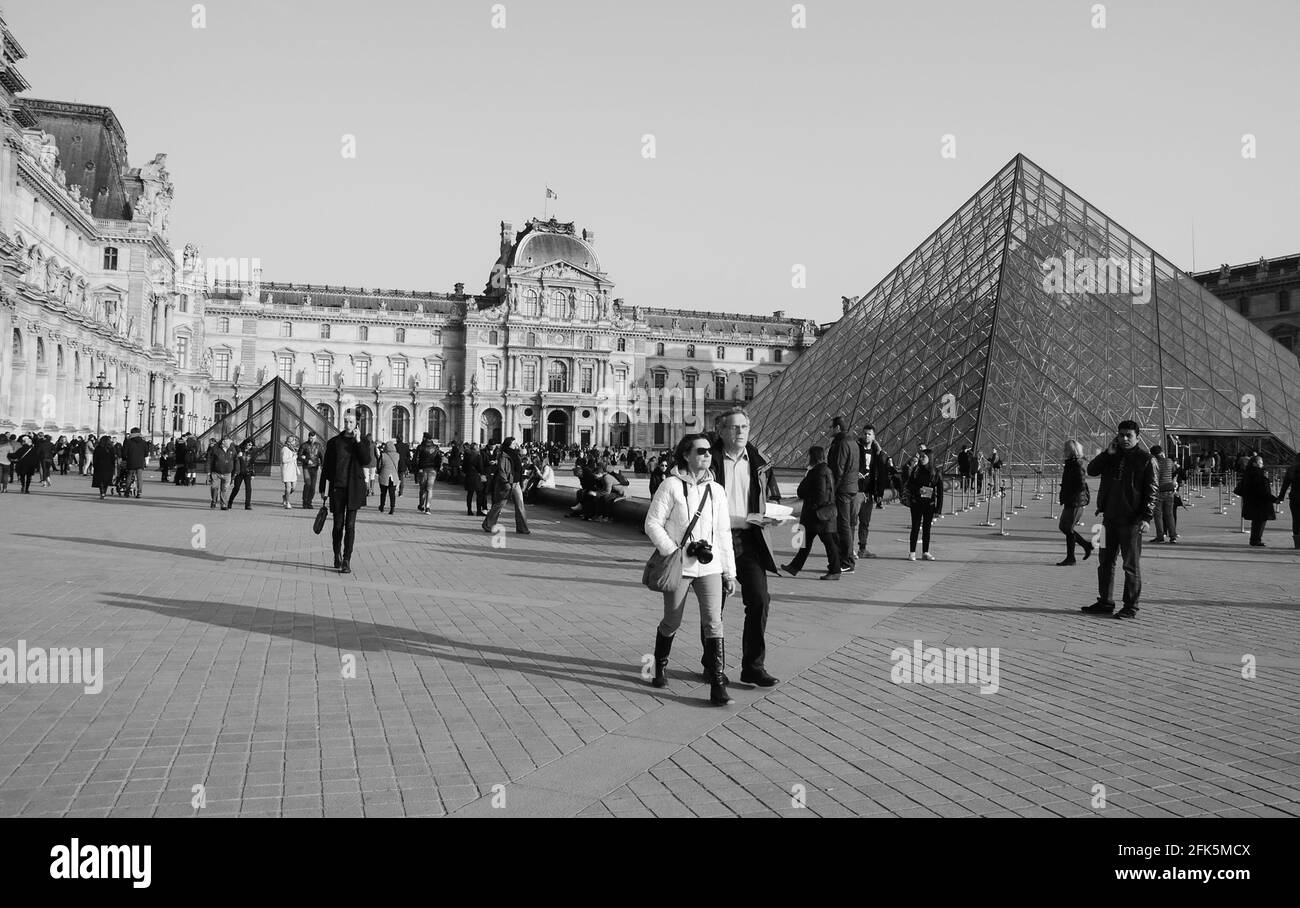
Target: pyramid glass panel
[[1027, 319], [272, 415]]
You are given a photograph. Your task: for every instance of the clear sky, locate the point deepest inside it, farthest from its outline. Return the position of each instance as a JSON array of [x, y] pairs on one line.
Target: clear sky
[[775, 146]]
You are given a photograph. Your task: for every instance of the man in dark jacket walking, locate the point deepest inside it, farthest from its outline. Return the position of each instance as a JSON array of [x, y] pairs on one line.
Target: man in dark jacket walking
[[427, 460], [244, 468], [1126, 501], [746, 475], [309, 455], [343, 483], [843, 461], [872, 477], [135, 451]]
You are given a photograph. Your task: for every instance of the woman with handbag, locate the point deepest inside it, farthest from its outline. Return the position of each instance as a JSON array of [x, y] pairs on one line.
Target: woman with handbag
[[690, 526], [1256, 495], [817, 516], [1074, 497], [923, 494]]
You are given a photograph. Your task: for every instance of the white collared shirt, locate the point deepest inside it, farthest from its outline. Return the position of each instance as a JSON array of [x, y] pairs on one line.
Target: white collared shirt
[[736, 478]]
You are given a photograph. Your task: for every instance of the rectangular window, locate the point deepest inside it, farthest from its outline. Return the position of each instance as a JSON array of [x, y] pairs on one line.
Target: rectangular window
[[435, 337], [286, 368], [530, 376], [435, 376], [661, 378], [399, 375], [1284, 301], [749, 387], [323, 371], [620, 382], [1243, 305], [690, 389], [183, 351], [493, 376], [363, 372], [659, 431], [222, 365], [720, 387], [587, 375]]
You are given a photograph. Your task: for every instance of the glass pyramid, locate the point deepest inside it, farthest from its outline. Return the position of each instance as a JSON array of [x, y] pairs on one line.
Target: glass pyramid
[[270, 416], [1027, 319]]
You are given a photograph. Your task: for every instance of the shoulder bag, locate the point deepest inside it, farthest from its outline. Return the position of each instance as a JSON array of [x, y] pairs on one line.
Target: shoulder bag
[[663, 573]]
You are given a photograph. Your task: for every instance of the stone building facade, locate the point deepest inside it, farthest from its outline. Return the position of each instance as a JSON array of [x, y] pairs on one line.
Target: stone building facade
[[544, 353], [1266, 292], [88, 284]]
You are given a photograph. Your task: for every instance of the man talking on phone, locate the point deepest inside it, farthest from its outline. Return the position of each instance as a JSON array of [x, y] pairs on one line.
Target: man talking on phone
[[343, 485], [1126, 502]]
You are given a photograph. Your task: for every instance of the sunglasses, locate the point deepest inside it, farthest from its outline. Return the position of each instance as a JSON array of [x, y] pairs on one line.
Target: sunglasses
[[702, 451]]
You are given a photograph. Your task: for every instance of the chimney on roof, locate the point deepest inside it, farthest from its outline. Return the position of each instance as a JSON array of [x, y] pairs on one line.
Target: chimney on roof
[[779, 313], [588, 236], [507, 236]]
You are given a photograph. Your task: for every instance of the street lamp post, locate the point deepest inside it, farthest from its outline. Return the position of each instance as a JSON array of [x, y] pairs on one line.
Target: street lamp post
[[99, 391], [126, 416], [140, 409], [166, 425], [153, 407]]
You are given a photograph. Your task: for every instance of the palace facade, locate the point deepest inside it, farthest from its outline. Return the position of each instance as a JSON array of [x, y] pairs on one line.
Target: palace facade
[[1266, 292], [544, 353], [88, 284]]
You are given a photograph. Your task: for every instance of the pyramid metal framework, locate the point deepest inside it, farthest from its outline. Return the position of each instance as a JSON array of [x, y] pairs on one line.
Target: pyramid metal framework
[[270, 416], [1027, 319]]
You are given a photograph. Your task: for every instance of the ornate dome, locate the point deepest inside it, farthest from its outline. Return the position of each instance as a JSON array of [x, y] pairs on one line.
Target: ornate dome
[[538, 248]]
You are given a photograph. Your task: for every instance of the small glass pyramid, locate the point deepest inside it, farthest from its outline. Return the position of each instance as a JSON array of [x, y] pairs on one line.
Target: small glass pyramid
[[270, 416]]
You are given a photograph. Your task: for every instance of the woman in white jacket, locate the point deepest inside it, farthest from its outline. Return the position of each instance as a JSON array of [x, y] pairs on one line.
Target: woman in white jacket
[[708, 562], [288, 468]]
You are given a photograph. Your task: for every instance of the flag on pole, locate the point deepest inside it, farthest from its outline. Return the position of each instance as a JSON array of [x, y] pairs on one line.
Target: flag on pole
[[551, 194]]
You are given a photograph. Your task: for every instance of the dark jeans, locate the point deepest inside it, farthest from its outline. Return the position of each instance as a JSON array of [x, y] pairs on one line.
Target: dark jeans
[[345, 529], [515, 495], [1257, 530], [866, 505], [1166, 517], [922, 516], [1120, 540], [753, 592], [310, 481], [481, 495], [247, 483], [847, 508], [1069, 517], [828, 540], [388, 493]]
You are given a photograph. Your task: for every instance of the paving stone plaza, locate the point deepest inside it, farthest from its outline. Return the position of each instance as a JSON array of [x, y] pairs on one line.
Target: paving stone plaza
[[507, 681]]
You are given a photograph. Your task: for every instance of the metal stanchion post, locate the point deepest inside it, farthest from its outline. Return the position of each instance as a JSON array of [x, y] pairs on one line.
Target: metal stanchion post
[[1022, 505], [1051, 506], [1002, 511], [988, 513]]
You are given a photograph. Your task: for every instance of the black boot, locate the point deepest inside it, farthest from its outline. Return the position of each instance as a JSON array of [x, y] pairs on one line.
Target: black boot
[[1087, 546], [663, 645], [706, 665], [716, 655]]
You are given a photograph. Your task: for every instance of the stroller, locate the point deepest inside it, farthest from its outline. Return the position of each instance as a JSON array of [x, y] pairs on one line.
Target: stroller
[[123, 482]]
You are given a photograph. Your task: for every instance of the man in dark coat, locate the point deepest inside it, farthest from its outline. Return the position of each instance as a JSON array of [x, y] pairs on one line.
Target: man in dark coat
[[843, 461], [1127, 502], [747, 477], [309, 455], [872, 478], [135, 451], [965, 467], [343, 484]]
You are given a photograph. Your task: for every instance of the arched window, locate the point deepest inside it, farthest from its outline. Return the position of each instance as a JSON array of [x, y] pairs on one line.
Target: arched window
[[588, 307], [494, 338], [178, 412], [365, 419], [588, 343], [220, 410], [18, 344], [363, 333], [58, 358], [185, 302], [110, 258], [722, 353], [401, 424], [327, 411], [659, 349], [622, 345], [399, 336], [532, 304], [76, 364], [557, 378], [325, 331], [40, 351], [559, 306], [532, 339], [690, 351], [749, 353], [286, 329], [437, 420]]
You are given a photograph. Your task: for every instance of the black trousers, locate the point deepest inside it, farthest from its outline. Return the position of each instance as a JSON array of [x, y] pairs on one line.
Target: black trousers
[[310, 480], [922, 517], [828, 540], [1295, 518], [345, 525], [247, 483], [481, 495], [1121, 540], [388, 493], [866, 505], [752, 578], [1257, 529]]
